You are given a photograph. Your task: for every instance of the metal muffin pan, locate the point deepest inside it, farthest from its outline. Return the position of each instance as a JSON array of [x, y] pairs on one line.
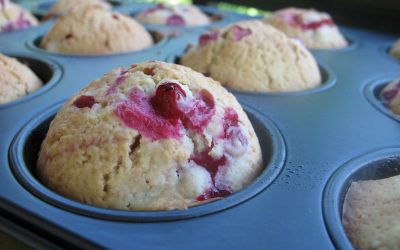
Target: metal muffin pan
[[321, 131]]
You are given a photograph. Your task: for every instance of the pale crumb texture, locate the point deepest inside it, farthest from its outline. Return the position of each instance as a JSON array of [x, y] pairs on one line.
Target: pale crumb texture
[[292, 21], [371, 214], [13, 17], [16, 79], [95, 31], [160, 14], [62, 7], [391, 93], [264, 60], [92, 156], [395, 50]]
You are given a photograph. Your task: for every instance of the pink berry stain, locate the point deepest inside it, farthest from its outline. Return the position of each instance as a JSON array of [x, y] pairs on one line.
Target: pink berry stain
[[213, 193], [170, 110], [84, 101], [139, 114], [20, 23], [388, 95], [159, 6], [297, 20], [317, 25], [238, 33], [231, 133], [208, 37], [120, 80], [165, 114], [175, 20]]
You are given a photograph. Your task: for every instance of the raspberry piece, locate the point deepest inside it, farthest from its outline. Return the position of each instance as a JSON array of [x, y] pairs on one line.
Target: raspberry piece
[[205, 38], [139, 114], [165, 101], [84, 101], [238, 33], [175, 20]]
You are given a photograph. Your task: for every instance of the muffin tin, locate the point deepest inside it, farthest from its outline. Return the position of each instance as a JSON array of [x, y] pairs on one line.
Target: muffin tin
[[305, 136]]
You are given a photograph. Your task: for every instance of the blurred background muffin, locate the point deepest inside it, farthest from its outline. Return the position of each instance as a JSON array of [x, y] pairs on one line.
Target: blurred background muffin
[[13, 17], [315, 29], [16, 79], [61, 7], [95, 31], [371, 213], [395, 50], [391, 96], [254, 56], [174, 15]]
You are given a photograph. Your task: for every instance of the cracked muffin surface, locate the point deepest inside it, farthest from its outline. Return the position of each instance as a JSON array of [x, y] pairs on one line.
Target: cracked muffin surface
[[253, 56], [156, 136], [95, 31], [16, 79], [174, 15], [315, 29], [371, 213], [13, 17]]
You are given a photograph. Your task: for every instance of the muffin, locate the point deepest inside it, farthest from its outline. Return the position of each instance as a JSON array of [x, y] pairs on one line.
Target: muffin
[[395, 50], [391, 96], [371, 214], [61, 7], [156, 136], [95, 31], [16, 79], [174, 15], [254, 56], [14, 17], [315, 29]]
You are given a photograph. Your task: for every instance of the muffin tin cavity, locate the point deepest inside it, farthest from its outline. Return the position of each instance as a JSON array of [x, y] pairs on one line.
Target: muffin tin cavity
[[159, 38], [372, 166], [26, 145], [48, 71], [328, 79], [373, 92]]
